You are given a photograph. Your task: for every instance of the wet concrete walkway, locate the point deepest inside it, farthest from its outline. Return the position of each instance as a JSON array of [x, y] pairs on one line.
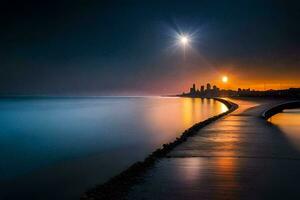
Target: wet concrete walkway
[[240, 156]]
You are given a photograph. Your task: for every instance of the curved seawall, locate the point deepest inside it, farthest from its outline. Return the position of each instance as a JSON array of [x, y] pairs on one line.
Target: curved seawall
[[279, 108]]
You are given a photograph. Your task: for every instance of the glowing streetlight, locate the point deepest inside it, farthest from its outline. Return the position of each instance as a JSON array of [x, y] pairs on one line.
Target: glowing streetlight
[[224, 79]]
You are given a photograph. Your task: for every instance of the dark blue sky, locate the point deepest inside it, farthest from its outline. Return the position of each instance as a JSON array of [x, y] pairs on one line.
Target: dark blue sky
[[124, 47]]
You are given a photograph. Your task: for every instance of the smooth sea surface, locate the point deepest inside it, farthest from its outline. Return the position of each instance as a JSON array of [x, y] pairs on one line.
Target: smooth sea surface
[[56, 148], [289, 123]]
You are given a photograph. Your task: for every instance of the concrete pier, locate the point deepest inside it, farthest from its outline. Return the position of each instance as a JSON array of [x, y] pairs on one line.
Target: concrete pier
[[241, 156]]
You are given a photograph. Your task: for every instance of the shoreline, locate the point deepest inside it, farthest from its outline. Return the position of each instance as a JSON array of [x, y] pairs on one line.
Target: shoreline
[[118, 186]]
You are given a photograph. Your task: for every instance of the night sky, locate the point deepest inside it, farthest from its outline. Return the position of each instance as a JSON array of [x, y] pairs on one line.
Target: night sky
[[127, 47]]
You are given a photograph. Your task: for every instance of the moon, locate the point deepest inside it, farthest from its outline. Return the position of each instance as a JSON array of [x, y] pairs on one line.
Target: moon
[[184, 40]]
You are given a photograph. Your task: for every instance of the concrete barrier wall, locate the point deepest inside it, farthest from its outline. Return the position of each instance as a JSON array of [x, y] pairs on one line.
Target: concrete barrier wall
[[279, 108]]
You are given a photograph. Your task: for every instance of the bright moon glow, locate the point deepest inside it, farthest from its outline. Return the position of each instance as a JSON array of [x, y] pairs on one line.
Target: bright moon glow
[[184, 40], [224, 79]]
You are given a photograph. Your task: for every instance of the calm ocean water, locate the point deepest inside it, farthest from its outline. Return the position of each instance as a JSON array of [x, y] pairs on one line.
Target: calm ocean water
[[289, 123], [56, 148]]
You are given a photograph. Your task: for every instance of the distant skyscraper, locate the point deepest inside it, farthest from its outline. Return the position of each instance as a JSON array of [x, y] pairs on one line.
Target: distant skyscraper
[[215, 91], [208, 86], [202, 88], [193, 89]]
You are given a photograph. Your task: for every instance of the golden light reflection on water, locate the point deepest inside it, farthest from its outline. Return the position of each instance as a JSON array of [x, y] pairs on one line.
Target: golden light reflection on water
[[169, 117], [289, 123], [187, 111], [195, 109], [223, 108]]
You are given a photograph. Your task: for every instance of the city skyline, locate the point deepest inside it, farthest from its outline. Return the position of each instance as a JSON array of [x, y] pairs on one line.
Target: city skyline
[[124, 48], [210, 91]]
